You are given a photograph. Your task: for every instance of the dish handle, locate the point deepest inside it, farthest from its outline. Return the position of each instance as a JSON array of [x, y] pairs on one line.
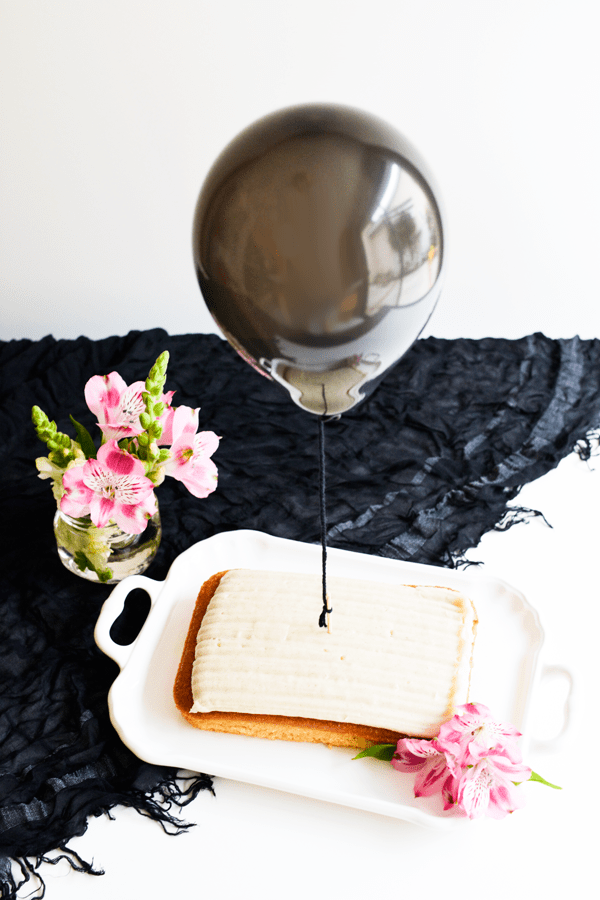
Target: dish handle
[[557, 687], [112, 608]]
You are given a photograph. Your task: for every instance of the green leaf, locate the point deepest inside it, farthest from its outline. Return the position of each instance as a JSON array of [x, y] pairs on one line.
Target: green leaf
[[85, 440], [84, 563], [378, 751], [104, 575], [535, 777]]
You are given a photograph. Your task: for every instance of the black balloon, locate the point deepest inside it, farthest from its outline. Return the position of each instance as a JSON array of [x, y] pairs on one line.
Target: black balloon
[[319, 249]]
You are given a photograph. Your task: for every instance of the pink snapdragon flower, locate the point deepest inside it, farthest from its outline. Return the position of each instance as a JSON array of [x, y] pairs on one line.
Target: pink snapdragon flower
[[113, 486], [117, 405], [190, 460]]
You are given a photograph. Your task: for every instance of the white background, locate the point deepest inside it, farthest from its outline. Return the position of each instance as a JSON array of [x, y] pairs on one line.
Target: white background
[[111, 114]]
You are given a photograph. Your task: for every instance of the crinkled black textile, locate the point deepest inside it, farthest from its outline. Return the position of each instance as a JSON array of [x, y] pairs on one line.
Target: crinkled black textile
[[419, 471]]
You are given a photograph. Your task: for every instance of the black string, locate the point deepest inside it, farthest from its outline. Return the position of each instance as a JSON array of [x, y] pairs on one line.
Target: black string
[[326, 610]]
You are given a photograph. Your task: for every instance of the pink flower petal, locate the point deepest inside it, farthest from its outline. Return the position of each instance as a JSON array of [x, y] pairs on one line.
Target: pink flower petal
[[450, 794], [101, 510], [514, 771], [166, 420], [433, 778], [412, 754], [102, 392], [473, 732], [473, 794], [134, 519], [184, 420], [200, 479], [206, 443], [436, 770], [116, 405], [75, 501], [119, 461], [487, 788], [190, 461]]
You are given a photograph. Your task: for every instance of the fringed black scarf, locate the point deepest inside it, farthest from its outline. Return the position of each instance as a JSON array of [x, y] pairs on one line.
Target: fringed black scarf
[[419, 471]]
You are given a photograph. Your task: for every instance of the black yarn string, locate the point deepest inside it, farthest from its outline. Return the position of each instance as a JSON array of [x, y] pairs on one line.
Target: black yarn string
[[323, 618]]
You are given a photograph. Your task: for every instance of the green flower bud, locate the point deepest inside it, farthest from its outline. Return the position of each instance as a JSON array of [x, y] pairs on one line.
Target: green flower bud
[[39, 418], [55, 440], [157, 374], [45, 429]]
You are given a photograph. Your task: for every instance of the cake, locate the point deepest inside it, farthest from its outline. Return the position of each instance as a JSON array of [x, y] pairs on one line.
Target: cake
[[396, 660]]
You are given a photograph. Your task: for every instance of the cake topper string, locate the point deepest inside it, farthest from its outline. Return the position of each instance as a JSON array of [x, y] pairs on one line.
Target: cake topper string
[[324, 620]]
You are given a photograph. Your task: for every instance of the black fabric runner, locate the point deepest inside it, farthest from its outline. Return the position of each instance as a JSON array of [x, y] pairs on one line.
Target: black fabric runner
[[419, 471]]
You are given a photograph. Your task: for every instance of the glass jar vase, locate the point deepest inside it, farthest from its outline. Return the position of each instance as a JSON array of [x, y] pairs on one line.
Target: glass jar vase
[[105, 555]]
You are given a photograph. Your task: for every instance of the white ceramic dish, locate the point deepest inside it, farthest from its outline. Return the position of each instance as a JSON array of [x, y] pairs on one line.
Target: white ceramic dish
[[141, 704]]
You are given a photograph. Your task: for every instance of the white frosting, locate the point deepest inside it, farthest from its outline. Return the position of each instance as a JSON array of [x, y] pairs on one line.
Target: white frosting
[[397, 656]]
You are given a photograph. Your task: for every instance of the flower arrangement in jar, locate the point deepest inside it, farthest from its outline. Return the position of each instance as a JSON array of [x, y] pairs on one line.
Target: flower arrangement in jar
[[107, 524]]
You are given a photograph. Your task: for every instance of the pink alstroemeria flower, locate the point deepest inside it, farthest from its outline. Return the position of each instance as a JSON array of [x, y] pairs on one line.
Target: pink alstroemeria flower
[[118, 406], [472, 733], [113, 486], [474, 764], [436, 769], [190, 460], [488, 788]]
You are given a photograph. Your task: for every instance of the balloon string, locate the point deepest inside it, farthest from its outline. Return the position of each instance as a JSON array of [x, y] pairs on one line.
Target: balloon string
[[324, 617]]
